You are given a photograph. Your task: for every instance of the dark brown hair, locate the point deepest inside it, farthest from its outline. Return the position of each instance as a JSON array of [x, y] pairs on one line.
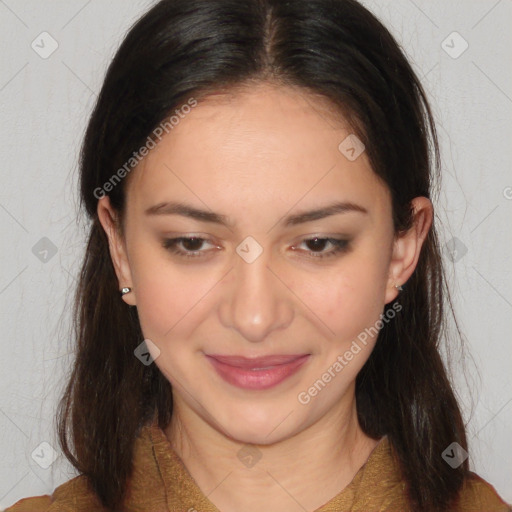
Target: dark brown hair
[[333, 48]]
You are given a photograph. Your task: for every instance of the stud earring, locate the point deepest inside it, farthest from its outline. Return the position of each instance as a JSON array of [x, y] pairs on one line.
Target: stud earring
[[125, 290], [398, 287]]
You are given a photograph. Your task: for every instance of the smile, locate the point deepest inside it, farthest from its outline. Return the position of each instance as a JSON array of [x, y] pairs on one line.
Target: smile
[[257, 373]]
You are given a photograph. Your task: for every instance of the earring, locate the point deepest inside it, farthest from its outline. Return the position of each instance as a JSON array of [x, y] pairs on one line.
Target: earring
[[398, 287], [125, 290]]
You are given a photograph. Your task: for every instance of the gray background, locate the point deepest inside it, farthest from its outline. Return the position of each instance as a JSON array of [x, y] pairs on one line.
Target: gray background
[[45, 103]]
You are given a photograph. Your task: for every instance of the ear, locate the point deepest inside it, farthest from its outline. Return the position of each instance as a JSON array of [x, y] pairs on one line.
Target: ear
[[108, 218], [407, 247]]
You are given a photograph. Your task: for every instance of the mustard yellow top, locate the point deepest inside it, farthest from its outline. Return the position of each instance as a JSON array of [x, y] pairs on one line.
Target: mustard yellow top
[[162, 483]]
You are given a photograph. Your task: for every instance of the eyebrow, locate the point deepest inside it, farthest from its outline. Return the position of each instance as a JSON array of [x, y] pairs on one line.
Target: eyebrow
[[177, 208]]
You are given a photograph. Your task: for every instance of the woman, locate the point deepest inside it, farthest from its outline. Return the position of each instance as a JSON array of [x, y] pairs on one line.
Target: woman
[[259, 178]]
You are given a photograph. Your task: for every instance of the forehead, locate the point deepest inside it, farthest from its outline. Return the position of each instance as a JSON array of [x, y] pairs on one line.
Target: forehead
[[262, 146]]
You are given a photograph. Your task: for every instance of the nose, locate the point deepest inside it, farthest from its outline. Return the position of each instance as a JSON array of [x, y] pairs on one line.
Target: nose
[[257, 300]]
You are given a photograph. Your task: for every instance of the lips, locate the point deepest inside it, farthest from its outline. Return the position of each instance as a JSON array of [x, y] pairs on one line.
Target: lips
[[259, 363], [257, 373]]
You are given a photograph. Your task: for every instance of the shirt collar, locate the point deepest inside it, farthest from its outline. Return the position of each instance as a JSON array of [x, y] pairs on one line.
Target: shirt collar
[[160, 482]]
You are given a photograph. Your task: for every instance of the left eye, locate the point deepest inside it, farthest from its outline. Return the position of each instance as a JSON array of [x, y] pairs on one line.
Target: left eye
[[189, 247], [317, 244]]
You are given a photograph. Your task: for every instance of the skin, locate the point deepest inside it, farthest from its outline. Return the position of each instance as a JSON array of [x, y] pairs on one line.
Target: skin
[[257, 156]]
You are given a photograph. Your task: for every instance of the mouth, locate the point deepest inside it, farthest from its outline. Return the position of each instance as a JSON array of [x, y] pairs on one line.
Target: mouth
[[257, 373]]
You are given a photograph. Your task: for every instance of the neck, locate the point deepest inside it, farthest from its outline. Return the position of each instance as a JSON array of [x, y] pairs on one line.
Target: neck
[[288, 472]]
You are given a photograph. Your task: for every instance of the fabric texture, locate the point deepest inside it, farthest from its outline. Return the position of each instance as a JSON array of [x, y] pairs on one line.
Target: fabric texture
[[161, 483]]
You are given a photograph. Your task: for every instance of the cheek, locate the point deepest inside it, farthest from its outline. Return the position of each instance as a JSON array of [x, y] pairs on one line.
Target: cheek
[[164, 295], [168, 302], [157, 308], [350, 298]]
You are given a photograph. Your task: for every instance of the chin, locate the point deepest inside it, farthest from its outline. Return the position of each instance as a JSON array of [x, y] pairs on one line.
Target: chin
[[256, 427], [247, 434]]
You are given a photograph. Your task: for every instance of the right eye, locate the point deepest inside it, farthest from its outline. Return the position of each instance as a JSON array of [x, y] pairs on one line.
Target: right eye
[[186, 246]]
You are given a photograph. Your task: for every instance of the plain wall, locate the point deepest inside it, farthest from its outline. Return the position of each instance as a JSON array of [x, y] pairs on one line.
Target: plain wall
[[45, 104]]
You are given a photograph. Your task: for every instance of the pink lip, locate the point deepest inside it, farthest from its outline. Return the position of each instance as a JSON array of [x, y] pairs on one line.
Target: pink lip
[[259, 372]]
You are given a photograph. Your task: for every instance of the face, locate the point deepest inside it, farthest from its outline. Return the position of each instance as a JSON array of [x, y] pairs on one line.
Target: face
[[257, 273]]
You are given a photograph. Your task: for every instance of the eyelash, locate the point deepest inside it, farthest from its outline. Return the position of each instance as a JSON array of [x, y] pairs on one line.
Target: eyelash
[[340, 246]]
